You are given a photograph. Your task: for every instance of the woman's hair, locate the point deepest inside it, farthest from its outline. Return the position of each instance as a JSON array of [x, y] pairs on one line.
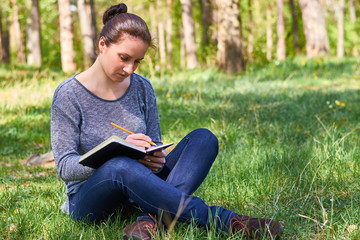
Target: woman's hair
[[117, 23]]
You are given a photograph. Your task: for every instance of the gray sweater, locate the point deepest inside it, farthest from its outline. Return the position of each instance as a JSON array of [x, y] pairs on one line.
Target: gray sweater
[[80, 121]]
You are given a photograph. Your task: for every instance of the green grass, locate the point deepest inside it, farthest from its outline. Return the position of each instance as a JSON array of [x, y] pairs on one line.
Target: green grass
[[289, 148]]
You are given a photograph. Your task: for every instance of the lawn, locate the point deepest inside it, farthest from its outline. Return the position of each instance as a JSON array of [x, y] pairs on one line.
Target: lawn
[[289, 148]]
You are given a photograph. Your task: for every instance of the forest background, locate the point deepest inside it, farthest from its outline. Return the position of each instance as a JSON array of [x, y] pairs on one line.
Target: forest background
[[188, 34], [276, 81]]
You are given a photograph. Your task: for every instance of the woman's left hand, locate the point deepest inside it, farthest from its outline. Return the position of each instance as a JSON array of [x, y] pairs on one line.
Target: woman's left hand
[[155, 161]]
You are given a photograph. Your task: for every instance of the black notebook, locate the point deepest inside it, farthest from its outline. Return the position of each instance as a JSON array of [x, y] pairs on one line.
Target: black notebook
[[115, 146]]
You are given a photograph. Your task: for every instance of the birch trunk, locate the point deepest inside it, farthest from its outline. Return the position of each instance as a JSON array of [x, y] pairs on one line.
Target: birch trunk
[[352, 11], [317, 41], [17, 33], [281, 51], [340, 27], [269, 41], [189, 34], [66, 37], [161, 35], [169, 47], [86, 32], [33, 34]]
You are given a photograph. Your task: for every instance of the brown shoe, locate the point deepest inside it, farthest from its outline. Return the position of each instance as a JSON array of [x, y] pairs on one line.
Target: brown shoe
[[255, 228], [141, 230]]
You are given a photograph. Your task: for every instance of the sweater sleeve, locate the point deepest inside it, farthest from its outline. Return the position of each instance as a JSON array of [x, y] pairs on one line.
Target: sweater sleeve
[[152, 117], [65, 135]]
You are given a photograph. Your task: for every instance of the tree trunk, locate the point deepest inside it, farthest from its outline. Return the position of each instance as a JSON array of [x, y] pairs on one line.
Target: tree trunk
[[340, 27], [355, 50], [230, 57], [85, 27], [169, 47], [17, 33], [5, 47], [33, 31], [93, 24], [250, 47], [161, 36], [352, 11], [66, 37], [206, 20], [189, 34], [154, 32], [281, 52], [317, 41], [269, 41], [294, 27], [182, 50]]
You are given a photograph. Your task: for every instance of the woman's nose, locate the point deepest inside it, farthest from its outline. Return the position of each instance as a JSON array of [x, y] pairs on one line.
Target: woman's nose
[[129, 68]]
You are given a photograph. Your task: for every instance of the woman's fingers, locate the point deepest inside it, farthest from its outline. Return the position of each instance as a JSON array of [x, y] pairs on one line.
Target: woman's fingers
[[139, 139]]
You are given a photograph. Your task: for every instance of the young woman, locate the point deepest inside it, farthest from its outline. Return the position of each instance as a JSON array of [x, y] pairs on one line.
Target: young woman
[[110, 91]]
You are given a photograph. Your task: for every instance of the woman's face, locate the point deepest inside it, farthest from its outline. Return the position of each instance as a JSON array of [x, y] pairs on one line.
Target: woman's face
[[119, 60]]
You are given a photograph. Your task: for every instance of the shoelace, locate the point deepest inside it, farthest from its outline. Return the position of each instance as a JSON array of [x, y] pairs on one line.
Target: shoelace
[[239, 225]]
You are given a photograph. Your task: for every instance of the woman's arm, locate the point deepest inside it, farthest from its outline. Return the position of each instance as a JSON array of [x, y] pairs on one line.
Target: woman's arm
[[65, 135]]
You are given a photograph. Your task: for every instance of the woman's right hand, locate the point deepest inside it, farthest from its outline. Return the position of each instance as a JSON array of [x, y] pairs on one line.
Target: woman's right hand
[[139, 139]]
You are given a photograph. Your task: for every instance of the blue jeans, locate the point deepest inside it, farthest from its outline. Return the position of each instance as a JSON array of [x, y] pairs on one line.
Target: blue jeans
[[122, 178]]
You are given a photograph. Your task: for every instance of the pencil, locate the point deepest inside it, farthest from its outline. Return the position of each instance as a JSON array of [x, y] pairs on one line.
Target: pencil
[[125, 130]]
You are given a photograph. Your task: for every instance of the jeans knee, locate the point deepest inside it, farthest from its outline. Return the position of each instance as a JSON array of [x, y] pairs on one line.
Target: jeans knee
[[207, 137]]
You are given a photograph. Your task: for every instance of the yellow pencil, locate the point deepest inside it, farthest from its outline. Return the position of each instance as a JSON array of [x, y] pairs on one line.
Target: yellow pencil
[[125, 130]]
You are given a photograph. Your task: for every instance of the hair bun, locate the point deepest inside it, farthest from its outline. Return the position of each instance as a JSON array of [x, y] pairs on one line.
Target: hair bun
[[113, 11]]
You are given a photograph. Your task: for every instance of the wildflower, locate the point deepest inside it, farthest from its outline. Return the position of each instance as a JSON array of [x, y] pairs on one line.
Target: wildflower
[[297, 128], [327, 102], [240, 119], [316, 77], [330, 106], [343, 104], [337, 102]]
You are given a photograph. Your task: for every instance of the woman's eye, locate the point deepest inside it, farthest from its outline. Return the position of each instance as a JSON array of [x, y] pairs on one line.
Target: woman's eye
[[124, 59]]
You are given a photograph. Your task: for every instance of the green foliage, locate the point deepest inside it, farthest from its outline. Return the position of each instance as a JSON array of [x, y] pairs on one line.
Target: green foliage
[[288, 136]]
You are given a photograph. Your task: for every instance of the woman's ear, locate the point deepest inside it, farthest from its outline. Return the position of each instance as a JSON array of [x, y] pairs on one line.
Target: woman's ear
[[102, 44]]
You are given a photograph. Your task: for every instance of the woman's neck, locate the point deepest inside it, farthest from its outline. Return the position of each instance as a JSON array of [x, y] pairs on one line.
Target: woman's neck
[[96, 81]]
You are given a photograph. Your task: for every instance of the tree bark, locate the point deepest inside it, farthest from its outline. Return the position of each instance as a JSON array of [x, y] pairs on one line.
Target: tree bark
[[17, 33], [230, 57], [281, 51], [206, 20], [5, 47], [161, 35], [189, 34], [340, 27], [86, 32], [294, 27], [66, 37], [169, 47], [34, 39], [93, 24], [250, 47], [269, 41], [352, 11], [317, 41]]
